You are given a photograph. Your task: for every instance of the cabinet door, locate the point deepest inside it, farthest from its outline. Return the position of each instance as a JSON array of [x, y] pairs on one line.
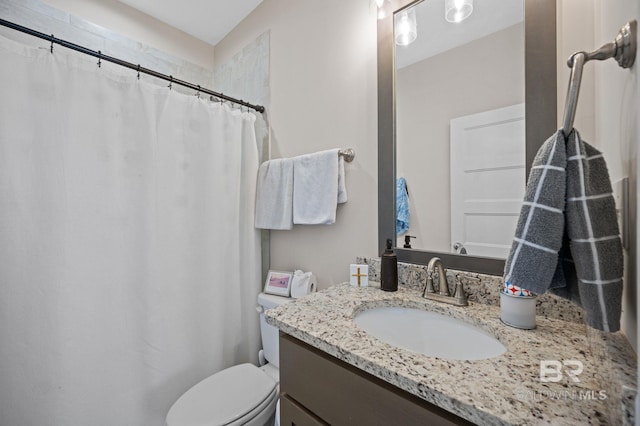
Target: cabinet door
[[341, 394], [293, 414]]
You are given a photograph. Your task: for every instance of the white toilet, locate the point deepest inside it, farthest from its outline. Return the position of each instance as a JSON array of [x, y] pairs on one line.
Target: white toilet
[[240, 395]]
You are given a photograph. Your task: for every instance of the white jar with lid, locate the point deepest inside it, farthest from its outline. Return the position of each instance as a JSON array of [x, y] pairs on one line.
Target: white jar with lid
[[517, 310]]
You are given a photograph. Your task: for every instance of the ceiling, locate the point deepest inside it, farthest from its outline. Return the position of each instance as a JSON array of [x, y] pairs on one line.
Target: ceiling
[[207, 20], [212, 20], [436, 35]]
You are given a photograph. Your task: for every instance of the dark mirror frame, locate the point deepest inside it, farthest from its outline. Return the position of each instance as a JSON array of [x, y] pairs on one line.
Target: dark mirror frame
[[540, 122]]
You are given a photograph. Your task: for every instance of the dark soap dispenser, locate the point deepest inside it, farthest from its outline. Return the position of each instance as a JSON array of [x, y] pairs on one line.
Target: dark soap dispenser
[[389, 271]]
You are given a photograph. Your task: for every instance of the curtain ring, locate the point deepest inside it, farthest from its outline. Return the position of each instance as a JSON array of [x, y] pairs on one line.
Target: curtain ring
[[170, 81], [138, 71], [52, 37], [198, 92], [99, 59]]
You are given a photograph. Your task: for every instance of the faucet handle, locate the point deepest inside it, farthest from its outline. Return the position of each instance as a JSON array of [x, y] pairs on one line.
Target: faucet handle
[[460, 295], [428, 288]]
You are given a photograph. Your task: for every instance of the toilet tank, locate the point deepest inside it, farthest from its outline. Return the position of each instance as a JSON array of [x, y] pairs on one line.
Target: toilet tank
[[270, 333]]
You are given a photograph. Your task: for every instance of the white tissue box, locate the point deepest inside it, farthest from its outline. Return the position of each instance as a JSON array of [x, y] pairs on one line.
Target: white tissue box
[[302, 284], [359, 275]]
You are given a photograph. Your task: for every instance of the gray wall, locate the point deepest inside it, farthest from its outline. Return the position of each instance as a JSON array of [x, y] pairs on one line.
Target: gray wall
[[323, 95]]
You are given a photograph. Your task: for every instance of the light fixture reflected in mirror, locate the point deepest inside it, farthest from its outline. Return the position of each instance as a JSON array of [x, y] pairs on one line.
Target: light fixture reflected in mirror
[[384, 8], [457, 10], [406, 29]]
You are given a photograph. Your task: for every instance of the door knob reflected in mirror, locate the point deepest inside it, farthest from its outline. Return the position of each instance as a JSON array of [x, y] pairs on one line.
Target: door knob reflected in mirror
[[459, 248]]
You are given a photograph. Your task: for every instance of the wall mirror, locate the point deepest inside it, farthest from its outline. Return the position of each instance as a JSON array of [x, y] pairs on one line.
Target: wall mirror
[[462, 109]]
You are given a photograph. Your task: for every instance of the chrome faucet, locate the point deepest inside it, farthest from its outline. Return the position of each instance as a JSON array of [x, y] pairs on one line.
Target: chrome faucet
[[458, 298]]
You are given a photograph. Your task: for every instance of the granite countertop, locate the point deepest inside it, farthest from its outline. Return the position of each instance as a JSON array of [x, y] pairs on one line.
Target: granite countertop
[[504, 390]]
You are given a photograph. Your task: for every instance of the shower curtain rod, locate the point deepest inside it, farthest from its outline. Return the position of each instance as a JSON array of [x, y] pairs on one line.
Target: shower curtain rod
[[135, 67]]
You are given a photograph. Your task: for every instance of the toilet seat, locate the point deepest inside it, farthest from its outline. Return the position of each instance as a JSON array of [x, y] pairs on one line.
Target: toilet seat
[[230, 397]]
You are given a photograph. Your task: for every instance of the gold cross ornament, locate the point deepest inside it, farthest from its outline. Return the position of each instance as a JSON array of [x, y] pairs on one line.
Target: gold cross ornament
[[359, 275]]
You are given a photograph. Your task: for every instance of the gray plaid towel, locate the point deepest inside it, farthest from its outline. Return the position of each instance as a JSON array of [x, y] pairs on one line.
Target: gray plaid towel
[[567, 237]]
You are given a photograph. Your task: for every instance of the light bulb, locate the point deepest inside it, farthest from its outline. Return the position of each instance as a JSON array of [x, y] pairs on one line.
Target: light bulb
[[457, 10], [406, 30], [383, 8]]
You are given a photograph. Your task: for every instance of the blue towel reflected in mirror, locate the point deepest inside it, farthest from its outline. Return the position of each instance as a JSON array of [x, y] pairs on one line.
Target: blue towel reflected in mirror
[[402, 206]]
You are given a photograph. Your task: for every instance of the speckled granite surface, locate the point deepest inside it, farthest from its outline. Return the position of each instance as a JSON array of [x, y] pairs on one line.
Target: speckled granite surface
[[479, 288], [505, 390]]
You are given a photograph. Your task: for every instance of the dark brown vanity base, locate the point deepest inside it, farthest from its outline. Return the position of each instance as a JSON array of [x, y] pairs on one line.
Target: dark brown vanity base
[[318, 389]]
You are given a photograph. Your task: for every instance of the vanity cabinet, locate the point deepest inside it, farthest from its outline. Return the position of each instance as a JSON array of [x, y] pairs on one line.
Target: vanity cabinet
[[319, 389]]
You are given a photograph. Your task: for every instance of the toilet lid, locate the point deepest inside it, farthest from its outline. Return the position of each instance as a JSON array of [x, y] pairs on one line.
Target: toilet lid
[[223, 397]]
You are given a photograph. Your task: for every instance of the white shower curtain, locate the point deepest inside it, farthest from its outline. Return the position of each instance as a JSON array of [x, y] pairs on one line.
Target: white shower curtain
[[129, 264]]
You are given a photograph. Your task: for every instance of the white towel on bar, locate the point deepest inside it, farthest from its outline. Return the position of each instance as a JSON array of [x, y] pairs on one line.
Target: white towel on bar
[[274, 192], [342, 185], [317, 178]]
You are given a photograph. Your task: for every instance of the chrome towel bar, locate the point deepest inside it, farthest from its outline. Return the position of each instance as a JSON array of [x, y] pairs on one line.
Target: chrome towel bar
[[623, 49], [349, 154]]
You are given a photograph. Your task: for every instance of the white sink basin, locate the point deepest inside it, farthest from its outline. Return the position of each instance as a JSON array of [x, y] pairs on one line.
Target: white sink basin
[[429, 333]]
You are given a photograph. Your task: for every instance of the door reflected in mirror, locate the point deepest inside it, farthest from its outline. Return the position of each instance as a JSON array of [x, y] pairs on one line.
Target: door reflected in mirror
[[460, 93]]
